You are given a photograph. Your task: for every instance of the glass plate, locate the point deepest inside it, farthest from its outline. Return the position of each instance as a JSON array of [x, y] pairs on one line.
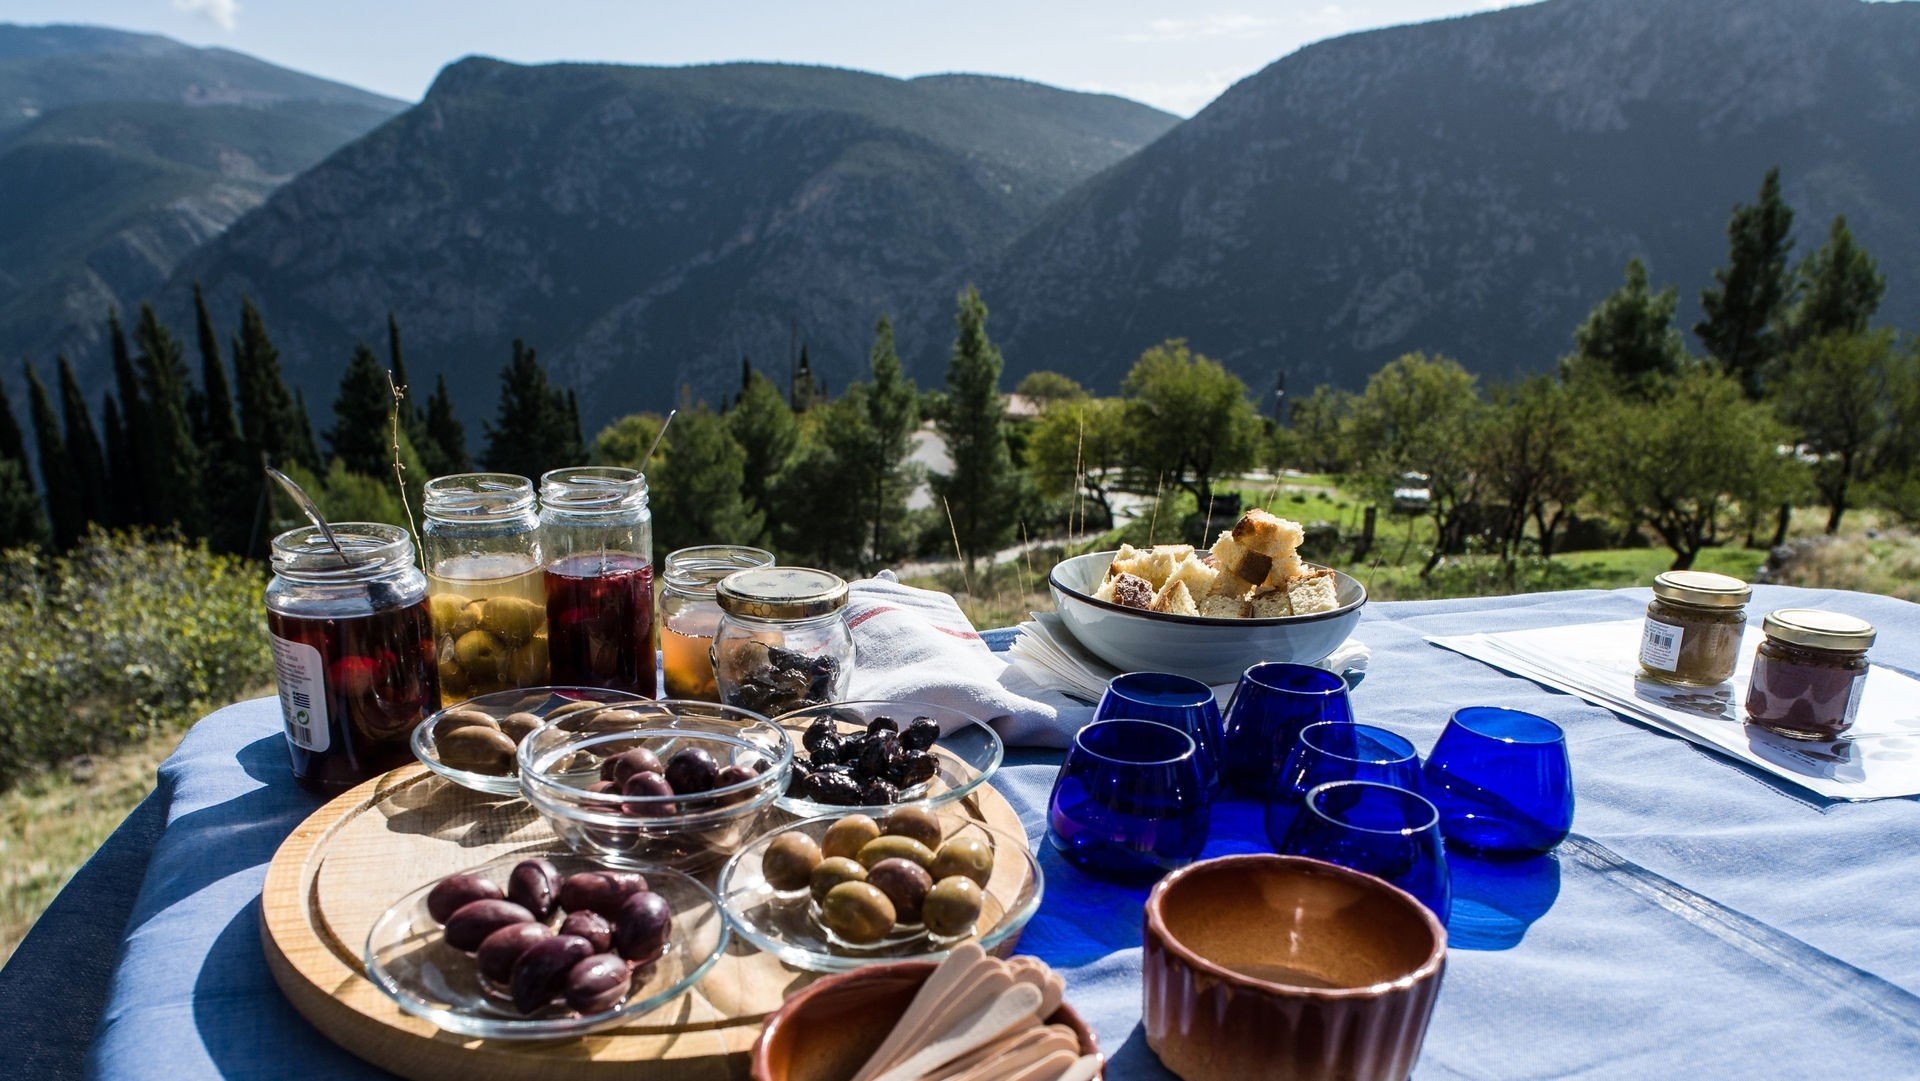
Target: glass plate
[[427, 978], [786, 924], [539, 701], [967, 752]]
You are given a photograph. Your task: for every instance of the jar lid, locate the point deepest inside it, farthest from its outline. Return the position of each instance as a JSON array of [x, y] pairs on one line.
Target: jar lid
[[1704, 588], [1817, 628], [779, 593]]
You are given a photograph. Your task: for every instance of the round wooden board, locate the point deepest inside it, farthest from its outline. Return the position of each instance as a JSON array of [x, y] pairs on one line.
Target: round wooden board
[[341, 868]]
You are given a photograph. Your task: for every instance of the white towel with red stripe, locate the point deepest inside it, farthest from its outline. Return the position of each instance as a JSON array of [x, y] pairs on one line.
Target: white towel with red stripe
[[915, 645]]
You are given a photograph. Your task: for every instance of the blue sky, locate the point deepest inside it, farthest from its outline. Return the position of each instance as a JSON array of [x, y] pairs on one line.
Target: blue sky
[[1177, 56]]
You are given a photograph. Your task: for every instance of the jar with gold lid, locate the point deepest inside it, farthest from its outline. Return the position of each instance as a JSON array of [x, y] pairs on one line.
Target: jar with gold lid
[[1810, 673], [1693, 629], [783, 642]]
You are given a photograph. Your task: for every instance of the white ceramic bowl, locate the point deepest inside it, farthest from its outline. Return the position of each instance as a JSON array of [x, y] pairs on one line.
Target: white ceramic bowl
[[1211, 650]]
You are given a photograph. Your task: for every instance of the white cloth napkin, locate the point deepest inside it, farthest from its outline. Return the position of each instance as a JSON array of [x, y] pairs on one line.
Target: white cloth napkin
[[916, 645]]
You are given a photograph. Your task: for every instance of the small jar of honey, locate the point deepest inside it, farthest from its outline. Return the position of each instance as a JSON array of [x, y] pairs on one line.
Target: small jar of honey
[[1693, 629], [689, 614]]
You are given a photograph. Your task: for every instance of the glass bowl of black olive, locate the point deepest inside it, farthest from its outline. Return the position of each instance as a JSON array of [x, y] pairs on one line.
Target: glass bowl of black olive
[[671, 783], [874, 755]]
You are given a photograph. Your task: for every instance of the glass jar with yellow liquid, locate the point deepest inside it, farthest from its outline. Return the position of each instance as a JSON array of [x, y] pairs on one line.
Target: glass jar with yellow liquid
[[485, 587], [689, 614]]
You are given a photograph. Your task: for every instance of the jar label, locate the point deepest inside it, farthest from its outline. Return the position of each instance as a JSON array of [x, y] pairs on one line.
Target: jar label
[[1854, 695], [1660, 645], [301, 674]]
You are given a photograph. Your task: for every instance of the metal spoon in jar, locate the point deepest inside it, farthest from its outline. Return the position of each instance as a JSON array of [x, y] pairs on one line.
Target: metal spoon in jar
[[655, 445], [307, 507]]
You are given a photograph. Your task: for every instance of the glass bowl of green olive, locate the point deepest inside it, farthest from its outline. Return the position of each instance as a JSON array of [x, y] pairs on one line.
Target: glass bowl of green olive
[[472, 743], [835, 892]]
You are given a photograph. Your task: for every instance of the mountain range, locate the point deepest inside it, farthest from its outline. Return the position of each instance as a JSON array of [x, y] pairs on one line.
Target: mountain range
[[1470, 186]]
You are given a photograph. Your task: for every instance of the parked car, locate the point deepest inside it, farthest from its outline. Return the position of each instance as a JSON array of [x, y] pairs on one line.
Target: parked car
[[1414, 495]]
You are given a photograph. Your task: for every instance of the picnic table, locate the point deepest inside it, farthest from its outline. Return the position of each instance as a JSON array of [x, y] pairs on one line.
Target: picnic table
[[1703, 921]]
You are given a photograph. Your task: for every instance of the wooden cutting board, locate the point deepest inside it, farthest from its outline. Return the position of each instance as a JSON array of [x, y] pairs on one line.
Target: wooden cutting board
[[353, 857]]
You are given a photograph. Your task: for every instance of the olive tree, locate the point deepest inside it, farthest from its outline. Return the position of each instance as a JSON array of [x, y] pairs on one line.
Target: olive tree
[[1189, 418], [1422, 414]]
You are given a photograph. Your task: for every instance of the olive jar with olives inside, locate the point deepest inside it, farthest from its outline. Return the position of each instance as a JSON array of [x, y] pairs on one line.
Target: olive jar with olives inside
[[783, 641], [481, 539], [1694, 627]]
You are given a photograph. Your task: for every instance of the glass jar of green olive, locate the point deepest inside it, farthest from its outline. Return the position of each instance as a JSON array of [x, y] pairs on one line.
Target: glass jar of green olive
[[1693, 629]]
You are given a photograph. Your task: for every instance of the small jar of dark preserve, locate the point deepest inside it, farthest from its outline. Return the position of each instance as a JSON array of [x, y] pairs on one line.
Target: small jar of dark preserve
[[783, 642], [1810, 673], [353, 651], [597, 536]]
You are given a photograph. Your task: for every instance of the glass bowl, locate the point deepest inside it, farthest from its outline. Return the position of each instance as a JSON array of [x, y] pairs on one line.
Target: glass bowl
[[407, 959], [965, 755], [787, 924], [562, 758], [542, 702]]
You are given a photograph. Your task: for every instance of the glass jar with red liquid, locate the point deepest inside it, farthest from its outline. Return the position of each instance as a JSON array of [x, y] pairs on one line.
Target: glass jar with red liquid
[[597, 536], [353, 651]]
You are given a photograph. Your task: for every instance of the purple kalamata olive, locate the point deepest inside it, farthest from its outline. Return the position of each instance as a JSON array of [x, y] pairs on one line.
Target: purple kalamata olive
[[733, 775], [541, 973], [598, 984], [691, 769], [599, 787], [617, 768], [499, 950], [535, 886], [472, 922], [641, 927], [650, 784], [590, 891], [905, 883], [628, 883], [591, 926], [455, 891]]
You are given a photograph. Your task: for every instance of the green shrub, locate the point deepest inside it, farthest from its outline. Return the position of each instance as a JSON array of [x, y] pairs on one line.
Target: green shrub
[[125, 634]]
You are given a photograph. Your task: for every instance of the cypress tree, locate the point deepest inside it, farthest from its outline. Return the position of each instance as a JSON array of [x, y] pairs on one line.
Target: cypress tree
[[445, 435], [1840, 288], [229, 477], [13, 442], [1630, 334], [65, 514], [272, 423], [1750, 293], [170, 463], [83, 448], [304, 449], [765, 427], [123, 475], [982, 492], [22, 520], [360, 438], [892, 414], [576, 440], [699, 484], [128, 487], [531, 432]]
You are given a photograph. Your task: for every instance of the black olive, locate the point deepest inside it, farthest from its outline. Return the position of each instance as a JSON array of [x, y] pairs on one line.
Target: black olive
[[878, 754], [786, 658], [920, 735], [827, 752], [875, 793], [818, 731], [797, 780], [852, 747], [834, 788], [917, 767], [882, 724]]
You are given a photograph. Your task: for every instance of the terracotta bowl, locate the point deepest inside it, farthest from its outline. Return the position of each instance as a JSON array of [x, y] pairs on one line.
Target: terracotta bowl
[[827, 1030], [1286, 967]]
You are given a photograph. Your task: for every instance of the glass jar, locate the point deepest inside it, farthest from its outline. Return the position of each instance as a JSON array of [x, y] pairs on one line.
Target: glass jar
[[597, 536], [690, 614], [783, 642], [1693, 629], [353, 651], [1809, 673], [481, 540]]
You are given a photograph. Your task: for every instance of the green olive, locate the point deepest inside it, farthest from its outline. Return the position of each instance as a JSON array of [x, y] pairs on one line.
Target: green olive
[[857, 912], [512, 619], [848, 836], [528, 668], [448, 611], [479, 654], [968, 857], [888, 848], [477, 750], [952, 906], [790, 860], [463, 718], [519, 726], [832, 871], [916, 822]]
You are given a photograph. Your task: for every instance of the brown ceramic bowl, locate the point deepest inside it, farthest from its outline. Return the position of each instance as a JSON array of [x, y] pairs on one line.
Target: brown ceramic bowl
[[827, 1030], [1286, 967]]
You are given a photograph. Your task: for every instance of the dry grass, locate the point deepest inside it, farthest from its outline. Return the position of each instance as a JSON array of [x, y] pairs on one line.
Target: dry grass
[[1884, 562]]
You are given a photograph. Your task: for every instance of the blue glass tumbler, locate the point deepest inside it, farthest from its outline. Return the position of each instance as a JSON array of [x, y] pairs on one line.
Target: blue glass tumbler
[[1338, 751], [1130, 803], [1502, 782], [1184, 703], [1270, 705], [1387, 832]]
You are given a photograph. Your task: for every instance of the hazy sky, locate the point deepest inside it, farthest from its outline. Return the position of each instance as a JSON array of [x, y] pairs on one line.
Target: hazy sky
[[1176, 55]]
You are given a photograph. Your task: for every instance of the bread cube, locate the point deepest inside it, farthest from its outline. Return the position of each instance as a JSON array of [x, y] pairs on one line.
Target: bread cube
[[1195, 573], [1285, 569], [1129, 591], [1240, 561], [1316, 592], [1175, 599], [1269, 603], [1222, 606], [1156, 565], [1124, 561], [1269, 535]]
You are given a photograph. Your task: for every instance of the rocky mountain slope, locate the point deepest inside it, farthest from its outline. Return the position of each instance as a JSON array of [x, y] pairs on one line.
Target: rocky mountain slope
[[120, 153], [1474, 185], [645, 227]]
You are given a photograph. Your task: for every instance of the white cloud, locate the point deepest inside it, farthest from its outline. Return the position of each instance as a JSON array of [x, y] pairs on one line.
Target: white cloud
[[221, 13], [1182, 97], [1229, 25]]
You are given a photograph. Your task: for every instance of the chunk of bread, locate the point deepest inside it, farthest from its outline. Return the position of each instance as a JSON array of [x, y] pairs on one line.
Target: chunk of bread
[[1284, 571], [1267, 534], [1223, 606], [1315, 592], [1195, 573], [1240, 561], [1269, 603], [1175, 599], [1123, 562], [1128, 590]]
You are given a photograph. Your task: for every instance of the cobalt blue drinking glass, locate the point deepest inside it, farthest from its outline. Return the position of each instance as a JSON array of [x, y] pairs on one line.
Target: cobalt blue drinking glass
[[1387, 832], [1130, 803], [1270, 705], [1184, 703], [1502, 782], [1338, 751]]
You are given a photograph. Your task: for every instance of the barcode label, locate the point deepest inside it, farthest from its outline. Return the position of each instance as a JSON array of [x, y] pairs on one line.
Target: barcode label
[[301, 675], [1660, 646]]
